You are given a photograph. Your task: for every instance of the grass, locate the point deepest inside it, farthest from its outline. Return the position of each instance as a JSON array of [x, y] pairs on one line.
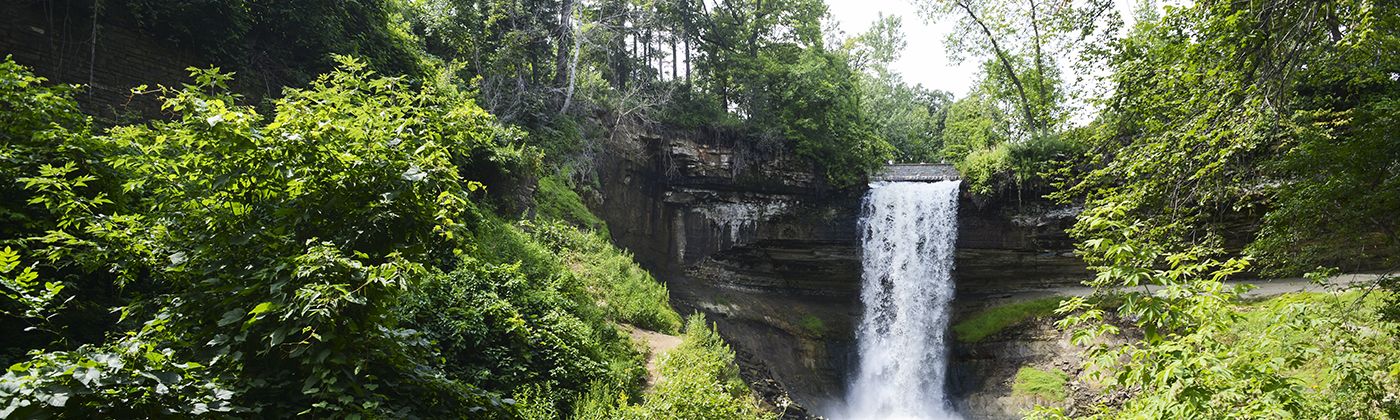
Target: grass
[[812, 324], [555, 200], [992, 320], [1045, 384], [625, 291]]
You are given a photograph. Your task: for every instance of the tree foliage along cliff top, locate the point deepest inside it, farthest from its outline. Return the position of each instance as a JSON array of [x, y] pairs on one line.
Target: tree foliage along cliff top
[[546, 65]]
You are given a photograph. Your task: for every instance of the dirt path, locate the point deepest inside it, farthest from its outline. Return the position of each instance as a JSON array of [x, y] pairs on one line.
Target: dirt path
[[657, 344]]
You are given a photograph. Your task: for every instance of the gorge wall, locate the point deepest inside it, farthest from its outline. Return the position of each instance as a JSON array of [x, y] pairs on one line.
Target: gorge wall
[[755, 238]]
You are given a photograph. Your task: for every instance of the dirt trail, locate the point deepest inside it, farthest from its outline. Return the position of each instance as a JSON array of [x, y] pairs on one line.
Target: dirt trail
[[657, 344]]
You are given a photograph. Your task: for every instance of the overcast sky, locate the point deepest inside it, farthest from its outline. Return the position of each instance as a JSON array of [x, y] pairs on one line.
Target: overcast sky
[[925, 59]]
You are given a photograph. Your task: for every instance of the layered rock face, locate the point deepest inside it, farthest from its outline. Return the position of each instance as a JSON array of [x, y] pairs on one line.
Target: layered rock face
[[759, 242]]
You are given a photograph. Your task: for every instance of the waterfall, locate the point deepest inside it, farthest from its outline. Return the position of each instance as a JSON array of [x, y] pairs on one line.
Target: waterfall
[[906, 287]]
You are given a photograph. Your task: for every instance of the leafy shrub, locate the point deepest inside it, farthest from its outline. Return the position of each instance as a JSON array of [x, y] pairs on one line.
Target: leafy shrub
[[500, 329], [268, 253], [983, 169], [1034, 161], [39, 125], [42, 132], [700, 381], [536, 402], [130, 378]]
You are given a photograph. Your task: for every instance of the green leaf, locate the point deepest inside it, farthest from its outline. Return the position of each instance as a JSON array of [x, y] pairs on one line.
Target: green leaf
[[261, 308], [232, 316]]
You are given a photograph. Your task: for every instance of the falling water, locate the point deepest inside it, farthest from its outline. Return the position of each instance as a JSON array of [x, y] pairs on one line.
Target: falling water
[[909, 233]]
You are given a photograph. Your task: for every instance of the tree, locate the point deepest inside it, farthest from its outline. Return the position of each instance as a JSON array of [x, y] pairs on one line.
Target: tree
[[1226, 114], [1016, 36], [909, 118]]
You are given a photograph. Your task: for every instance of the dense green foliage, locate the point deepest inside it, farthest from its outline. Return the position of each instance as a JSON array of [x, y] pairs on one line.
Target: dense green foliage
[[909, 118], [1311, 355], [759, 67], [1226, 114], [565, 70], [1311, 150], [334, 259], [698, 381], [624, 291]]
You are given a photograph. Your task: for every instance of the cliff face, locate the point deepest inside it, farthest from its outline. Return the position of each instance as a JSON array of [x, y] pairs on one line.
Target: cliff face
[[760, 243]]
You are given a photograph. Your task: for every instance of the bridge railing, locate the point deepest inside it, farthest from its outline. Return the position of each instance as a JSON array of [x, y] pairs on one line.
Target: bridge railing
[[917, 172]]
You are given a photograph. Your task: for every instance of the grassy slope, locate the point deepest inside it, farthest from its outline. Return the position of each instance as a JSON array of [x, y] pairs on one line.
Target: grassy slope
[[1045, 384], [992, 320], [700, 379]]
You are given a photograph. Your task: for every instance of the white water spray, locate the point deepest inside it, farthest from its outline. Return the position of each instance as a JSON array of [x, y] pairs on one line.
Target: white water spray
[[907, 286]]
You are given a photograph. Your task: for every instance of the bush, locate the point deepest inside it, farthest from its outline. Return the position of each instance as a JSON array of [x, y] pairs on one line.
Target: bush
[[699, 381], [1035, 161], [265, 256], [41, 126], [982, 169], [500, 329]]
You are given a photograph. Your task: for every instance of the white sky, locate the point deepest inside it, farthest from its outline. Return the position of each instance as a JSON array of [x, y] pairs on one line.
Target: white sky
[[925, 58]]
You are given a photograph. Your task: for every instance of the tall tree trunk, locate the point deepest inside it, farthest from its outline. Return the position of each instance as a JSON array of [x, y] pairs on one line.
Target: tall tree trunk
[[577, 36], [566, 33], [1005, 63], [1039, 72]]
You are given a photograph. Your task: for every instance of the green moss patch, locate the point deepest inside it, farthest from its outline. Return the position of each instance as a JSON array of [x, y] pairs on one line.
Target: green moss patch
[[1045, 384], [992, 320], [812, 324]]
